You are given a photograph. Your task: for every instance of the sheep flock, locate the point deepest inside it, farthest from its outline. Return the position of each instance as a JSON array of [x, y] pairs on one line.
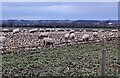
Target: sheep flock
[[17, 39]]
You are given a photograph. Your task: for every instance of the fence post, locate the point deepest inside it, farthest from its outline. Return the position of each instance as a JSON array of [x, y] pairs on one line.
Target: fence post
[[103, 62]]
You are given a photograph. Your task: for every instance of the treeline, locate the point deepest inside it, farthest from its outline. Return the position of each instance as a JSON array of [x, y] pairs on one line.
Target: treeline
[[64, 25]]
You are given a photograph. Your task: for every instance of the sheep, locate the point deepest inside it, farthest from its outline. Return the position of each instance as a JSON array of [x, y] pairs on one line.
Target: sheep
[[66, 36], [114, 30], [101, 30], [47, 30], [5, 30], [108, 36], [42, 35], [95, 37], [69, 37], [33, 30], [17, 30], [48, 42], [41, 30], [72, 36], [72, 31], [95, 34], [52, 30], [24, 30], [86, 37], [111, 36], [68, 30], [60, 30], [95, 30]]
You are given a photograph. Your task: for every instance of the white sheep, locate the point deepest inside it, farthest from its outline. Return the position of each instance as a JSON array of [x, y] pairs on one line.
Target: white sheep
[[101, 30], [66, 36], [24, 30], [41, 30], [48, 29], [69, 37], [95, 34], [59, 30], [95, 30], [114, 30], [72, 31], [72, 36], [48, 41], [6, 30], [86, 37], [111, 35], [43, 35], [33, 30], [17, 30]]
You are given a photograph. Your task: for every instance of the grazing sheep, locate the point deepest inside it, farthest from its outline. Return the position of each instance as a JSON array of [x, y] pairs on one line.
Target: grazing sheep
[[95, 30], [60, 30], [86, 37], [43, 35], [72, 36], [68, 29], [95, 34], [5, 30], [17, 30], [108, 36], [48, 29], [41, 30], [115, 30], [69, 37], [111, 36], [24, 30], [53, 30], [72, 31], [101, 30], [66, 36], [48, 42], [33, 30]]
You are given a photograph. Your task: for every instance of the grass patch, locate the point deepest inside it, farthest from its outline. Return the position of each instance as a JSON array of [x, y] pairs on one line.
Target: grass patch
[[81, 60]]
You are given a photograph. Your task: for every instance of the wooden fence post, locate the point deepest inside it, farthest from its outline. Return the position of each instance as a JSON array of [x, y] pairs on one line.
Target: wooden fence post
[[103, 62]]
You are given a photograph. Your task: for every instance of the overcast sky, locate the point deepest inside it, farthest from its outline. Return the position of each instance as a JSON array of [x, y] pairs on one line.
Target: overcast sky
[[60, 10], [60, 0]]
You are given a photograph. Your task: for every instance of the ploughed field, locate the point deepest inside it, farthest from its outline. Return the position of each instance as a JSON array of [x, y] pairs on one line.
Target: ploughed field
[[73, 60]]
